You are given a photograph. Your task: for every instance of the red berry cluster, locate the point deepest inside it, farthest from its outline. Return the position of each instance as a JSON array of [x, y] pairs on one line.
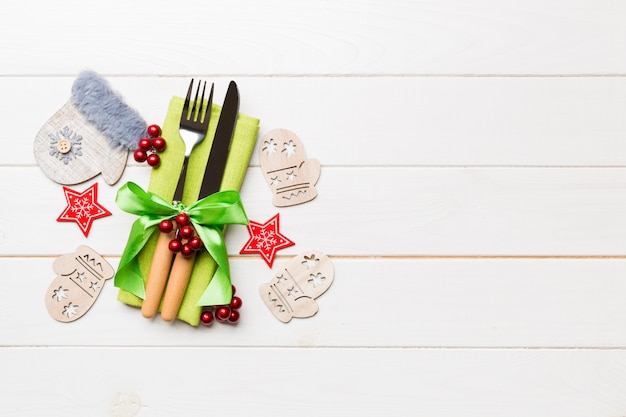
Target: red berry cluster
[[224, 314], [148, 147], [186, 242]]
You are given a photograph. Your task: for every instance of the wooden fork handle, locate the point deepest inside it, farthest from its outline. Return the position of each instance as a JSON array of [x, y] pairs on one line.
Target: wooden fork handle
[[157, 277], [176, 286]]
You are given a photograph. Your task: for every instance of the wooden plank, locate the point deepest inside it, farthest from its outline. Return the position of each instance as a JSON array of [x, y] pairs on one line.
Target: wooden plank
[[481, 303], [382, 121], [315, 37], [411, 212], [312, 382]]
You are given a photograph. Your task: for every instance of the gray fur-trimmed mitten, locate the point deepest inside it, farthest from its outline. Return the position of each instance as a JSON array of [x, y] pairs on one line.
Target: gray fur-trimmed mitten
[[91, 134]]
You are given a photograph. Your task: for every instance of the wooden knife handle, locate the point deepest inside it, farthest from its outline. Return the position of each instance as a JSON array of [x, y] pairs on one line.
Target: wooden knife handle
[[176, 286], [157, 277]]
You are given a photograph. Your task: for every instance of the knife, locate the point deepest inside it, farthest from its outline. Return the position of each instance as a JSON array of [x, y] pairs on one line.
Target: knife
[[211, 183]]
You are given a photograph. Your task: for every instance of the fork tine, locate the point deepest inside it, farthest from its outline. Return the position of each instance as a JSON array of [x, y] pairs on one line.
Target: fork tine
[[196, 104], [186, 105], [200, 103]]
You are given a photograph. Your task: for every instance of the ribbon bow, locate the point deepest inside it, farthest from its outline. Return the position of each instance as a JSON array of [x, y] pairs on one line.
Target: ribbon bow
[[208, 216]]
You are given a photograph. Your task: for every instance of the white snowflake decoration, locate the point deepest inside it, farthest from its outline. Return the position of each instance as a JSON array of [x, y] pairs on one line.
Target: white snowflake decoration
[[265, 239], [75, 140], [82, 207]]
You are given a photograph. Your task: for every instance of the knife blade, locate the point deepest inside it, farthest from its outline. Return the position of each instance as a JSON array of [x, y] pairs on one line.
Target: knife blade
[[214, 171], [211, 183]]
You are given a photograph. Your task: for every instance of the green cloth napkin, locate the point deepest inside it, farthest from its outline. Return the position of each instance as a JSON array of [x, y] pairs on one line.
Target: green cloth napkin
[[163, 183]]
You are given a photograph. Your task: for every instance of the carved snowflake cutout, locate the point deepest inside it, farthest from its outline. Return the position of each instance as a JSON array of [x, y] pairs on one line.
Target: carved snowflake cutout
[[270, 146], [290, 175], [316, 280], [275, 181], [289, 148], [310, 261], [59, 294], [70, 310]]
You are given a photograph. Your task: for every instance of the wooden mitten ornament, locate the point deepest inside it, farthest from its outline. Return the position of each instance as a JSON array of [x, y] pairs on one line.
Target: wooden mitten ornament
[[79, 281], [287, 171], [293, 290]]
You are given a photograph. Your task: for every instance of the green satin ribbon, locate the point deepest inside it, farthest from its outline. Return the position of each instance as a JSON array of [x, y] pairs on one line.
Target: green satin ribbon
[[208, 217]]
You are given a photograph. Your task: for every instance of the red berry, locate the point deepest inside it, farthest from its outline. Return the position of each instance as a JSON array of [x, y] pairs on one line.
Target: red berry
[[195, 243], [186, 232], [154, 160], [206, 318], [182, 219], [233, 317], [145, 144], [175, 245], [140, 155], [222, 313], [236, 303], [159, 143], [234, 290], [154, 130], [166, 226], [186, 250]]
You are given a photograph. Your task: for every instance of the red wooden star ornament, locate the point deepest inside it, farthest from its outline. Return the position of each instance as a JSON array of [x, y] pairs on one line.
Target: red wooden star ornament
[[83, 208], [265, 239]]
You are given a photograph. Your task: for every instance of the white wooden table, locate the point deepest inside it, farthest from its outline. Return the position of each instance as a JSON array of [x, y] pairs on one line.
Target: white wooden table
[[472, 198]]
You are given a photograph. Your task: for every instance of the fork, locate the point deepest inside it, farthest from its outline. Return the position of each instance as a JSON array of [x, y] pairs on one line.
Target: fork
[[193, 126], [192, 129]]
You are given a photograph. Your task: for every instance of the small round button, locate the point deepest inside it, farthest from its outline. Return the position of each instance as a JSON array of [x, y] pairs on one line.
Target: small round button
[[64, 145]]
